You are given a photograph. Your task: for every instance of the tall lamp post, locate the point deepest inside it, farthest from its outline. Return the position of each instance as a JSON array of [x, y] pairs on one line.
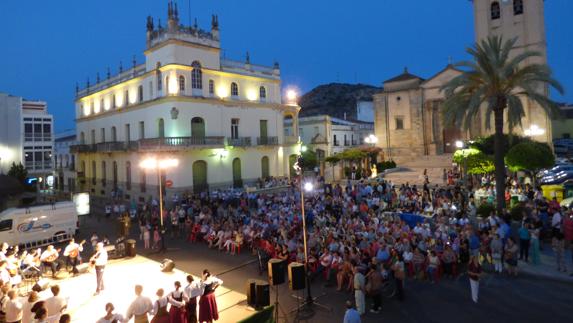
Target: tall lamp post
[[158, 165], [460, 145], [308, 186]]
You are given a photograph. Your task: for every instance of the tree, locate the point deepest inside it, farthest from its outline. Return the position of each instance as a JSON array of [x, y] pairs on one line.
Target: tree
[[332, 160], [486, 144], [474, 161], [499, 82], [310, 160], [530, 156], [19, 172]]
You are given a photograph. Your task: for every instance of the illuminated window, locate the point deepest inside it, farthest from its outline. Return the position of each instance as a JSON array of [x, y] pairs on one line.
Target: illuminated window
[[234, 89], [128, 175], [517, 7], [211, 87], [182, 83], [495, 10], [196, 76], [159, 77], [262, 92], [140, 93]]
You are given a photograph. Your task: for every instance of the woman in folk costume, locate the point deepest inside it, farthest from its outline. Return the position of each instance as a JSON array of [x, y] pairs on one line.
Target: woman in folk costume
[[160, 314], [177, 309], [208, 311]]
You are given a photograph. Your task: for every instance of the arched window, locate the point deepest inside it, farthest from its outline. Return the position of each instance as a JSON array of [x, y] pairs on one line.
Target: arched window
[[265, 167], [159, 77], [181, 83], [234, 89], [211, 87], [495, 10], [103, 173], [115, 175], [517, 7], [82, 138], [237, 177], [197, 128], [94, 175], [113, 134], [199, 170], [196, 76], [160, 128], [128, 175], [262, 93]]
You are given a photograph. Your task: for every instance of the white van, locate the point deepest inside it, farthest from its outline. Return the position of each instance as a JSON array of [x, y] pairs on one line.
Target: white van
[[38, 225]]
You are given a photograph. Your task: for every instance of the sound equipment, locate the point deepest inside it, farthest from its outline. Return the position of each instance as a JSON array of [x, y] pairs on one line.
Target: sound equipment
[[130, 248], [167, 265], [277, 273], [262, 294], [251, 292], [83, 268], [41, 285], [296, 278]]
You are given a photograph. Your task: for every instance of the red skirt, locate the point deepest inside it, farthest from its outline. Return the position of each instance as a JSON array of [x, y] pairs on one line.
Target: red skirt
[[208, 308], [177, 315]]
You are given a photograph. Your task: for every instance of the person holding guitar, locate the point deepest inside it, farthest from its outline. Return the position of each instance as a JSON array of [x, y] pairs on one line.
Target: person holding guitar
[[72, 251], [49, 259], [99, 260]]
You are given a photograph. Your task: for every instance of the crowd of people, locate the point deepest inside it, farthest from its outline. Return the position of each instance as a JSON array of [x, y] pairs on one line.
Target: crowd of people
[[358, 236]]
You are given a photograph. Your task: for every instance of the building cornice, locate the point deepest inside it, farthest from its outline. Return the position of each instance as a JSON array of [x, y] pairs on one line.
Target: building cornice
[[172, 66], [188, 99]]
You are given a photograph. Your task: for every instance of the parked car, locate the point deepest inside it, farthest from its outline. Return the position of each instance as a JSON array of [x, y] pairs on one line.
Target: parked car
[[557, 179]]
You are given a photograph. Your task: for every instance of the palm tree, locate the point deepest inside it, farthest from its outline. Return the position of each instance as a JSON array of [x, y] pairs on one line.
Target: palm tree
[[499, 82]]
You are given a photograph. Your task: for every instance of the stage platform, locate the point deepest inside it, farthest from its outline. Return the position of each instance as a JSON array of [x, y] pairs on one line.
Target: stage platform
[[120, 278]]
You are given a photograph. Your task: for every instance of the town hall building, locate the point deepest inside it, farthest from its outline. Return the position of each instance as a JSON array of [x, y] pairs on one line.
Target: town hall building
[[223, 120]]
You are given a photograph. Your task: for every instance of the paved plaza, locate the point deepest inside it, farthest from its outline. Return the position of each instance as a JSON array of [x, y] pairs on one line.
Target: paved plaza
[[526, 298]]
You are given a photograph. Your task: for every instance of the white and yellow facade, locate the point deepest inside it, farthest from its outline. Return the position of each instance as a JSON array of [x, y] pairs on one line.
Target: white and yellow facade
[[223, 120]]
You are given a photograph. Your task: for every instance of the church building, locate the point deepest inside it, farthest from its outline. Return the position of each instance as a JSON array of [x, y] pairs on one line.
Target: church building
[[408, 112]]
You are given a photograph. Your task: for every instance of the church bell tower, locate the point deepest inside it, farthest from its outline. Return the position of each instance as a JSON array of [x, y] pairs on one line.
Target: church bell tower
[[524, 20]]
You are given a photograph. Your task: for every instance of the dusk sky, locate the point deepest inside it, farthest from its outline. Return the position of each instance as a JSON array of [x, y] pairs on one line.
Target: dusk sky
[[48, 46]]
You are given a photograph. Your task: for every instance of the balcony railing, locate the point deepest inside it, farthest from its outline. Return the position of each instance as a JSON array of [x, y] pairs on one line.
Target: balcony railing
[[347, 143], [37, 137], [267, 141], [83, 148], [336, 143], [176, 143], [169, 143], [47, 164], [291, 139], [239, 142]]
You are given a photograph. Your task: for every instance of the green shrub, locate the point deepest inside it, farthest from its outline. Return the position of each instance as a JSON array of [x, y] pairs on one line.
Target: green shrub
[[382, 166]]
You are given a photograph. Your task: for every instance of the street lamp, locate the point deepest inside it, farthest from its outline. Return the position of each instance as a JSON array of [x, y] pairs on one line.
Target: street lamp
[[308, 187], [460, 145], [291, 96], [534, 130], [371, 139], [158, 165]]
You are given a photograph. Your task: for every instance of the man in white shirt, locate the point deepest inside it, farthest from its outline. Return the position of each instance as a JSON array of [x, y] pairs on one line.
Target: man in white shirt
[[72, 251], [193, 290], [12, 308], [48, 259], [139, 307], [56, 304], [99, 260]]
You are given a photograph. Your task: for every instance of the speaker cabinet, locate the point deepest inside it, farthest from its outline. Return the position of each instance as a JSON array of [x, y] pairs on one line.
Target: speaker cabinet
[[251, 289], [276, 271], [296, 278], [262, 294], [83, 268]]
